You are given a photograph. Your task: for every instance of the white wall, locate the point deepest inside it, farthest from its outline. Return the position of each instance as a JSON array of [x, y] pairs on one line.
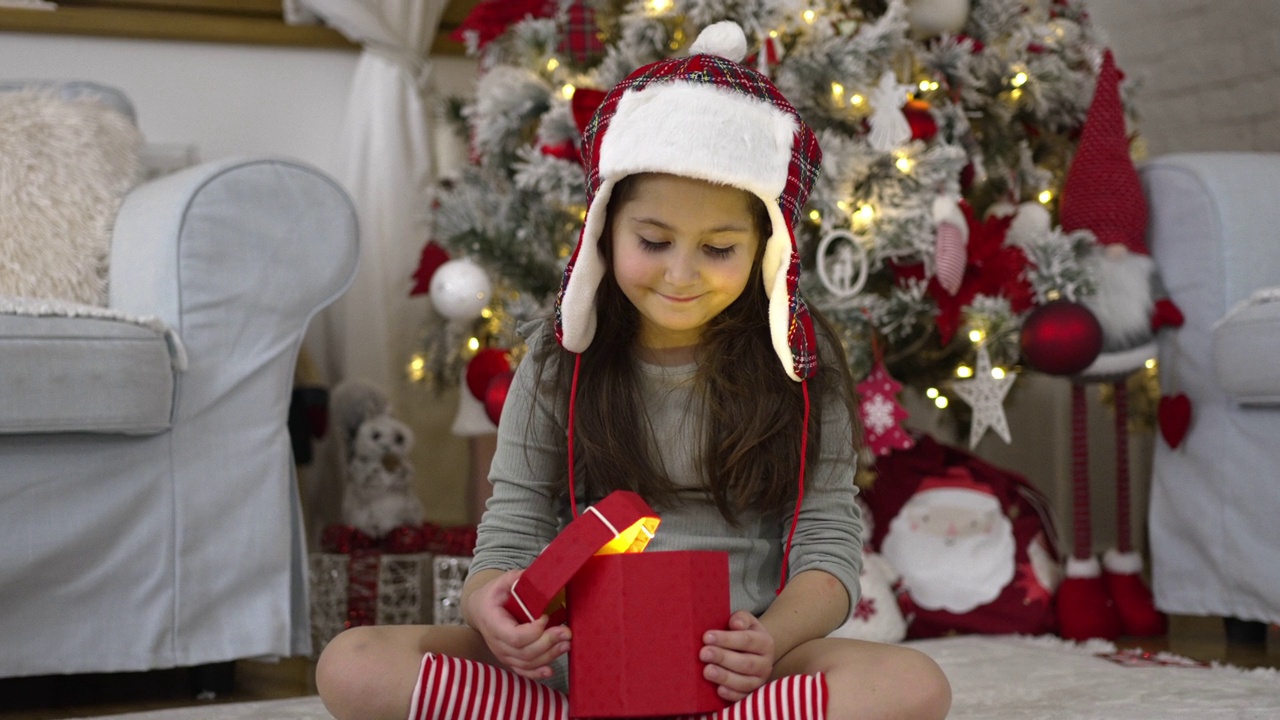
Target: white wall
[[1210, 70], [226, 99]]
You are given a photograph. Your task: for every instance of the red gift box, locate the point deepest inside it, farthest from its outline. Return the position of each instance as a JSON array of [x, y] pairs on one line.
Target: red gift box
[[637, 618]]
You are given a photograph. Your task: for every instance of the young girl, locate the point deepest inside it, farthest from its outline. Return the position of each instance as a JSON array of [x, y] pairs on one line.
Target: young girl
[[683, 365]]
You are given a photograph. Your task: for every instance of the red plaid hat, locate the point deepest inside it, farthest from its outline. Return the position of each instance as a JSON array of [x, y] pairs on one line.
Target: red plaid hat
[[708, 117]]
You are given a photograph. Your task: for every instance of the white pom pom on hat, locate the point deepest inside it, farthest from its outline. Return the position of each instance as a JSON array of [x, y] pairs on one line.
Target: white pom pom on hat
[[724, 39]]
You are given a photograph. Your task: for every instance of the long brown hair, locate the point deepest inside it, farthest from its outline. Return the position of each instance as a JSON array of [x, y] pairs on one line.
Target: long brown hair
[[751, 438]]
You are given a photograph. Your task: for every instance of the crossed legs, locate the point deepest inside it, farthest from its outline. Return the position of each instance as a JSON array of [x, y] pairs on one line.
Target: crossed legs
[[370, 673]]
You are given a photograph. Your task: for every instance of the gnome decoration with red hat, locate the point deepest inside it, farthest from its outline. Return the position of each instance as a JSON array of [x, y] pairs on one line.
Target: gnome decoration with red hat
[[1103, 194]]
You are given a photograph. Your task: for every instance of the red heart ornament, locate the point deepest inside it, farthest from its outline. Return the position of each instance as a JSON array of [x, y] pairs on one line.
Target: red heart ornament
[[1174, 415]]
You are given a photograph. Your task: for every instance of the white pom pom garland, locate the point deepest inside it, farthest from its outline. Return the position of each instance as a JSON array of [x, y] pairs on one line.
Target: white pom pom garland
[[724, 39]]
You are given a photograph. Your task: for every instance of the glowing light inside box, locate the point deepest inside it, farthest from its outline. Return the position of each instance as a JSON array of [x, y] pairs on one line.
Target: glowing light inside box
[[633, 539]]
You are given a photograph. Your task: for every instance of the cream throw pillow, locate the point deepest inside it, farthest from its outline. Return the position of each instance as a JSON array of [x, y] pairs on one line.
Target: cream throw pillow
[[65, 165]]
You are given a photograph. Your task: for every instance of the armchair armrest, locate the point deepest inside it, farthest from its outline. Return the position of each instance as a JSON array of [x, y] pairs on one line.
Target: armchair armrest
[[235, 256]]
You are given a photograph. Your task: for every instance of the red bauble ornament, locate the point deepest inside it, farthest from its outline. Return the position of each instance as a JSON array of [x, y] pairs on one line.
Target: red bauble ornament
[[495, 396], [923, 126], [485, 366], [1061, 338]]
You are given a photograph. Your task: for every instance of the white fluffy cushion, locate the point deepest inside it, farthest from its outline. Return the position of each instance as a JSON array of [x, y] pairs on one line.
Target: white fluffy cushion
[[65, 165]]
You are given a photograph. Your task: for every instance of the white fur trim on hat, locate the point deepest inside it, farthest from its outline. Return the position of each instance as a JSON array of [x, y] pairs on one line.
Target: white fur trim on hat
[[703, 132]]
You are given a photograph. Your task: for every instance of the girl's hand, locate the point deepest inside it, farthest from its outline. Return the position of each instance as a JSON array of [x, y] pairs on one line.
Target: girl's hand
[[739, 659], [526, 649]]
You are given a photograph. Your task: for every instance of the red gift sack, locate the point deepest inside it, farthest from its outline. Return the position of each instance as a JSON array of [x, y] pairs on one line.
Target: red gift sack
[[974, 543]]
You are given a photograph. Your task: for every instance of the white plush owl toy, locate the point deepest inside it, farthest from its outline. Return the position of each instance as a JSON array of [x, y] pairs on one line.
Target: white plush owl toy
[[378, 495]]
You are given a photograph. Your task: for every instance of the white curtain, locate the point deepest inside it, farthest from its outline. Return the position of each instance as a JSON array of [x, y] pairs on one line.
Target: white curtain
[[385, 163]]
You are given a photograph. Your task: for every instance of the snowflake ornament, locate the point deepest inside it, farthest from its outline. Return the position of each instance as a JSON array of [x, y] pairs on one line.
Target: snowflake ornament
[[882, 416]]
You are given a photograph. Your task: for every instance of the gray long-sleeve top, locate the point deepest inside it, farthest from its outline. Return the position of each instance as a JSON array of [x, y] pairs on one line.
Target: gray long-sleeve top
[[523, 515]]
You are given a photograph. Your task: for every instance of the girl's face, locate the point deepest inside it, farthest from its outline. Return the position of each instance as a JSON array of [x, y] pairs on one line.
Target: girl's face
[[683, 251]]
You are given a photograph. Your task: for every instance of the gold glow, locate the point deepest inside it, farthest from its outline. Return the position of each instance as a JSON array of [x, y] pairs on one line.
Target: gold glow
[[633, 539], [1045, 196], [815, 216], [1019, 80], [932, 393], [857, 99], [941, 402], [417, 368], [568, 90], [964, 371], [659, 6], [552, 64], [904, 164], [997, 373], [473, 344], [809, 16], [975, 336]]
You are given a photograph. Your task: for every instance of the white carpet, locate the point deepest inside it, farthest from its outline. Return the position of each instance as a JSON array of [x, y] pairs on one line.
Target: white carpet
[[997, 677]]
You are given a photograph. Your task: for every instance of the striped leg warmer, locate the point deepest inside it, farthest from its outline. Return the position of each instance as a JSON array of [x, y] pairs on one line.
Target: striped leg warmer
[[454, 689], [795, 697]]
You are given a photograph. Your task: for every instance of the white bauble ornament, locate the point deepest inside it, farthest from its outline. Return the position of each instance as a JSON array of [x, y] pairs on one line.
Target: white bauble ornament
[[459, 289], [928, 18]]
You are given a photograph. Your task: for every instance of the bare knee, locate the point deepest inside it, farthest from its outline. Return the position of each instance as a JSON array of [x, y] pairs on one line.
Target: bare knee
[[363, 672], [874, 681], [926, 690]]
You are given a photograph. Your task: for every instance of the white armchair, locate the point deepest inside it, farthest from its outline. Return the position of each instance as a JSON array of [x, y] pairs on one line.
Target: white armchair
[[1215, 499], [148, 506]]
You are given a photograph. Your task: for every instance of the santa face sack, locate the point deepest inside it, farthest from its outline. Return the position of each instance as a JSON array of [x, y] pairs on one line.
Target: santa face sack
[[970, 541]]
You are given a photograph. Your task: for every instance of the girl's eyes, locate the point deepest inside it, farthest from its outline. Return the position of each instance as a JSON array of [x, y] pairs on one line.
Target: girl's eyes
[[712, 250]]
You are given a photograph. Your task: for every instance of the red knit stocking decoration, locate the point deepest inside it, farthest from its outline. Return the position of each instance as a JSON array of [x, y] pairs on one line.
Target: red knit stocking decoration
[[456, 689], [1124, 531], [1083, 538]]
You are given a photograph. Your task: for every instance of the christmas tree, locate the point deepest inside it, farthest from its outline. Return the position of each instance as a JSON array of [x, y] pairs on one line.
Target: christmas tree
[[947, 127]]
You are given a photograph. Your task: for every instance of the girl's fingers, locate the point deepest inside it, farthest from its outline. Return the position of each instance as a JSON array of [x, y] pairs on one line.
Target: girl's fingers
[[733, 686], [738, 663]]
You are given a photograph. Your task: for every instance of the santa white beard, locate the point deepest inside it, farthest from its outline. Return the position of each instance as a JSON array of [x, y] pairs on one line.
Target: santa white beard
[[956, 573]]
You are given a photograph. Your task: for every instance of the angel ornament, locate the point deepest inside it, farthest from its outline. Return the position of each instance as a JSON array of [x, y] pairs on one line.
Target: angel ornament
[[842, 264], [889, 126]]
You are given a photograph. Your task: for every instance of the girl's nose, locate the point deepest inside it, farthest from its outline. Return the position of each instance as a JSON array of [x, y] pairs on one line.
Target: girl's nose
[[683, 268]]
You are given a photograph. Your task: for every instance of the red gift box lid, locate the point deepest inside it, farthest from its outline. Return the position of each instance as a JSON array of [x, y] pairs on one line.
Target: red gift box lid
[[622, 522]]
